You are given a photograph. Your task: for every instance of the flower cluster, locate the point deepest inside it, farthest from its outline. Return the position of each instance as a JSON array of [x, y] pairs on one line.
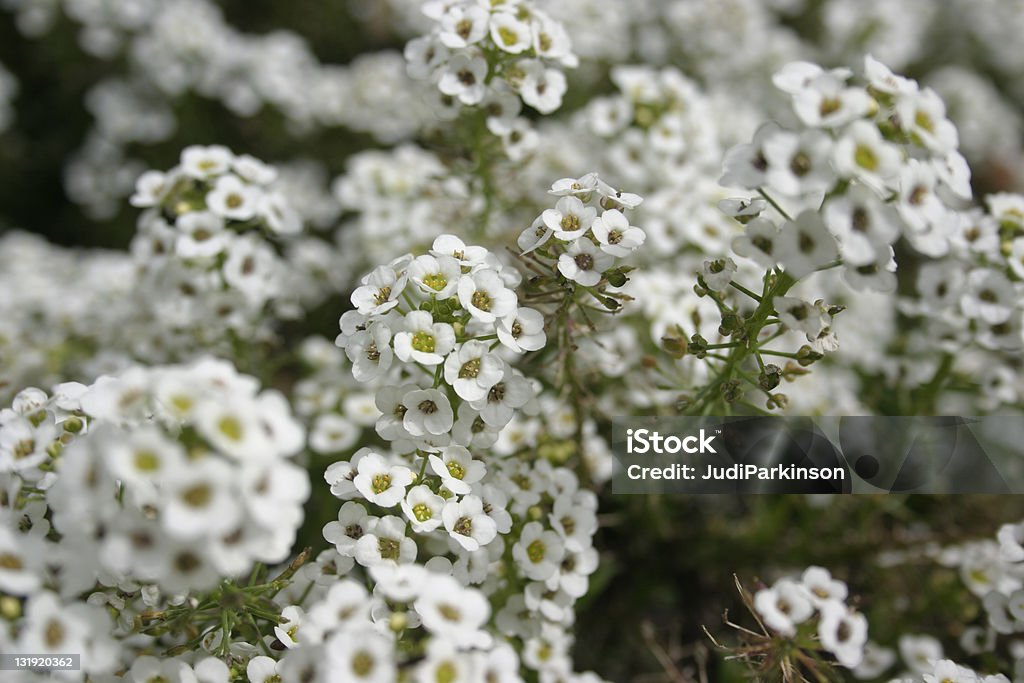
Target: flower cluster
[[139, 490], [884, 157], [430, 516], [216, 231], [180, 476], [493, 55], [813, 606], [583, 244]]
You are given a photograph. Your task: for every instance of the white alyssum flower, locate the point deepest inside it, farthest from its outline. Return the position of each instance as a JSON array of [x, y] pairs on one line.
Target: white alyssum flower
[[423, 509], [615, 235], [427, 412], [380, 482], [483, 293], [422, 340], [538, 552], [583, 262], [457, 468], [455, 613], [472, 370], [570, 218], [468, 524], [784, 606]]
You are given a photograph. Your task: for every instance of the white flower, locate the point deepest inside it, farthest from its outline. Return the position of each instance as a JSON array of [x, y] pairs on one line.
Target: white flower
[[262, 669], [862, 224], [472, 370], [616, 236], [484, 294], [200, 500], [924, 212], [948, 671], [843, 632], [574, 523], [288, 631], [17, 555], [534, 236], [381, 483], [798, 164], [437, 276], [360, 656], [783, 606], [538, 552], [450, 245], [233, 199], [233, 428], [463, 77], [759, 242], [570, 218], [922, 114], [205, 162], [352, 524], [540, 87], [804, 245], [202, 235], [457, 469], [387, 543], [142, 459], [468, 524], [512, 392], [401, 582], [989, 296], [862, 153], [454, 613], [379, 291], [370, 352], [882, 79], [423, 508], [798, 315], [717, 274], [346, 605], [920, 653], [279, 215], [150, 189], [443, 662], [252, 169], [821, 586], [510, 34], [523, 330], [332, 433], [424, 341], [827, 102], [463, 25], [1011, 542], [581, 186], [584, 263], [427, 411], [745, 165]]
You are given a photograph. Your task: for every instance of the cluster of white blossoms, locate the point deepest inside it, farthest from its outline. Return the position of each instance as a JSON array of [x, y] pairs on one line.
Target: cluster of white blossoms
[[137, 491], [492, 55], [216, 231], [882, 155], [816, 603], [475, 560], [586, 231]]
